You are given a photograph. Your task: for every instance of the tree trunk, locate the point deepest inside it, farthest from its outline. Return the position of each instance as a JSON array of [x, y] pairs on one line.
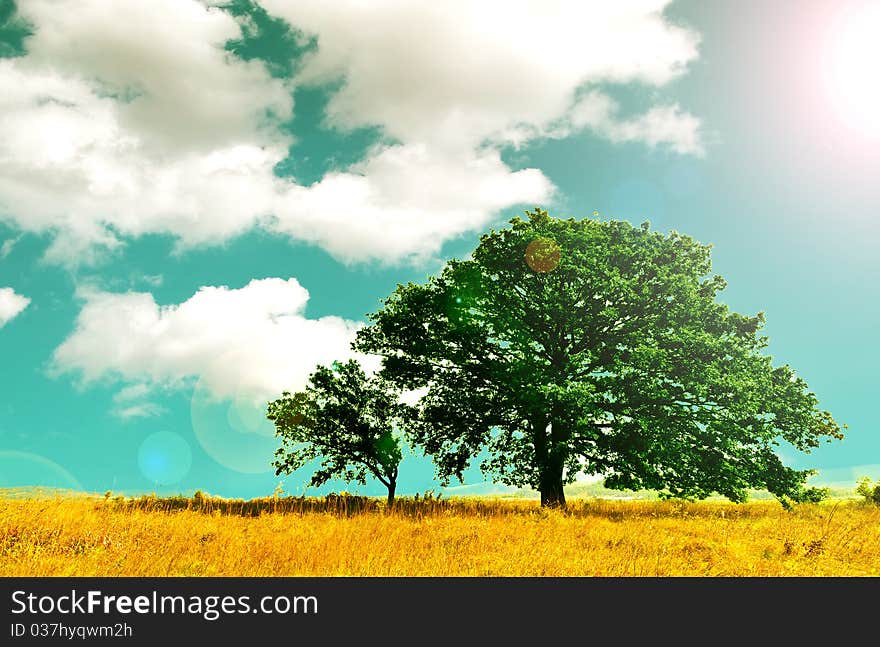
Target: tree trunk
[[552, 494], [392, 485], [551, 460]]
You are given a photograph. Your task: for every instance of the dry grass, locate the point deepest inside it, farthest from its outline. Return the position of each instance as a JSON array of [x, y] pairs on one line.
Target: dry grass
[[351, 536]]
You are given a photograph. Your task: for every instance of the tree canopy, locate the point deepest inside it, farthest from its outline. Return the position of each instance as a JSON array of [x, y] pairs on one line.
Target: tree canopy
[[346, 419], [566, 347]]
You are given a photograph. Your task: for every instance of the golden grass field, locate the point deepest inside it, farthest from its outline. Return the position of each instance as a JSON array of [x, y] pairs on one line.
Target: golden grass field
[[353, 536]]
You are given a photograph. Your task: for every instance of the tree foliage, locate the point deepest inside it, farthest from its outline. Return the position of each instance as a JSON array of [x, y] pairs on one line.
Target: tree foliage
[[346, 419], [870, 491], [566, 347]]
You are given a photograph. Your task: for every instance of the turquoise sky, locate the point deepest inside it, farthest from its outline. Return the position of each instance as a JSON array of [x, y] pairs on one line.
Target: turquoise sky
[[151, 150]]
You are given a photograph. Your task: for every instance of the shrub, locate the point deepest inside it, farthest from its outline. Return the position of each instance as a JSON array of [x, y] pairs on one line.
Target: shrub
[[813, 495], [871, 491]]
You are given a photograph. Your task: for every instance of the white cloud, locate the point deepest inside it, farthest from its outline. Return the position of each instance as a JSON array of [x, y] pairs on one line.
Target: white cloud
[[460, 72], [126, 118], [132, 402], [141, 410], [11, 305], [251, 342], [68, 164], [131, 393], [180, 90], [8, 244], [405, 201], [661, 125], [129, 118]]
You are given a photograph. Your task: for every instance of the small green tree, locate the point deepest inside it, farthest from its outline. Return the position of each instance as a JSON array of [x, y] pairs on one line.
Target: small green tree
[[347, 420], [870, 491]]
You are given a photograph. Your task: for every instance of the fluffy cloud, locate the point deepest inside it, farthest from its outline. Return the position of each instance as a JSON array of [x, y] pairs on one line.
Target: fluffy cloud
[[164, 64], [404, 201], [11, 305], [458, 73], [251, 342], [127, 118], [130, 118], [454, 81], [668, 124]]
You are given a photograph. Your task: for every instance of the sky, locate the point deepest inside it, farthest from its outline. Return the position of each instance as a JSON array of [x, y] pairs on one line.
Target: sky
[[201, 201]]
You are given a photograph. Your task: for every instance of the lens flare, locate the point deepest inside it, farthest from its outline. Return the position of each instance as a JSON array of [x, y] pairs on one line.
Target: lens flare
[[235, 432], [164, 458], [543, 255], [27, 470]]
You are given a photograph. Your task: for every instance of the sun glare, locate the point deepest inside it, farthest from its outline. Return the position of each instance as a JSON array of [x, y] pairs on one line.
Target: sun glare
[[852, 69]]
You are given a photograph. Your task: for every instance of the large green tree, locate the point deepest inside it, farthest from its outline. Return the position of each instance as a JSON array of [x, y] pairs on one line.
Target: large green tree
[[347, 420], [566, 347]]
